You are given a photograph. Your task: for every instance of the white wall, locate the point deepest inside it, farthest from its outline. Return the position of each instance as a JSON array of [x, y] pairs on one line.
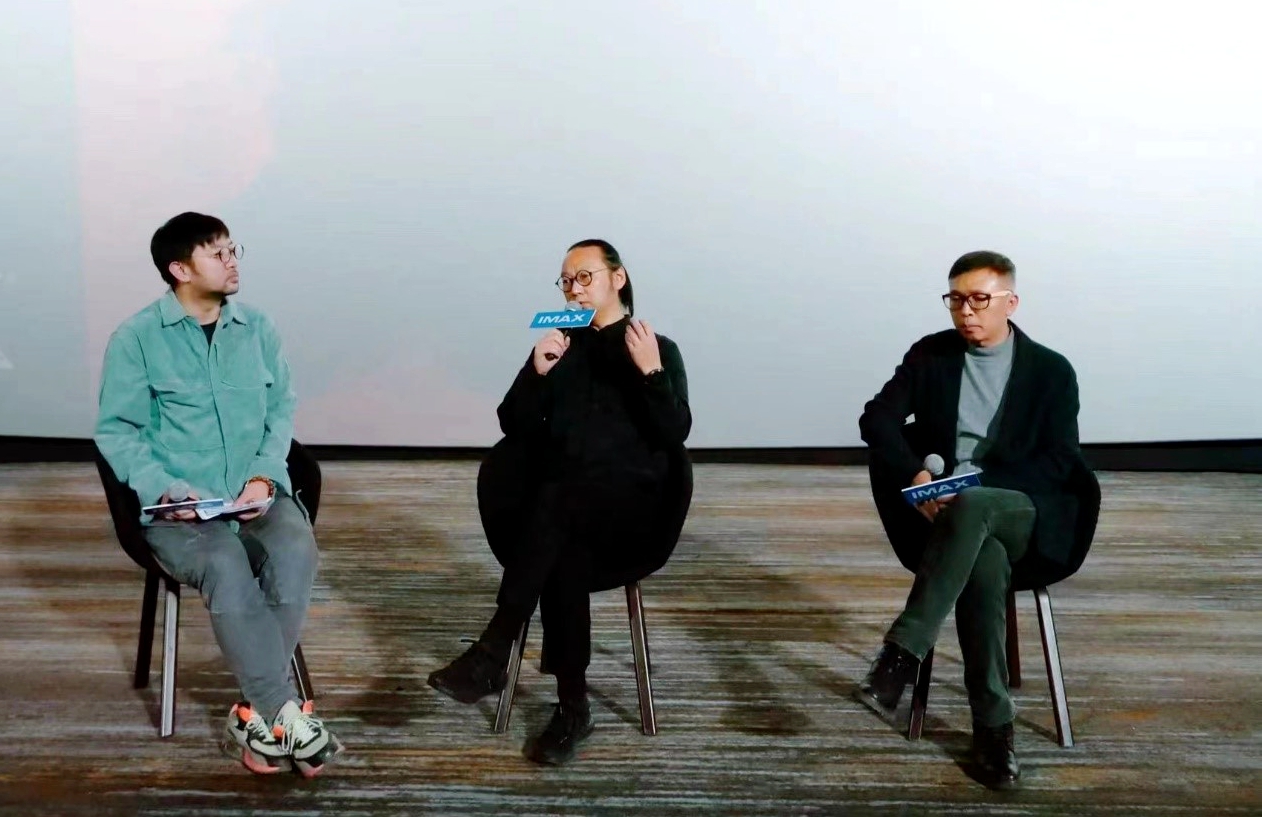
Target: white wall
[[788, 183]]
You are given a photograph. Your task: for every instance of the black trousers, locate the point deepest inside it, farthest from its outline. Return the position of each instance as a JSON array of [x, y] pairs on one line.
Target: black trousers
[[560, 540]]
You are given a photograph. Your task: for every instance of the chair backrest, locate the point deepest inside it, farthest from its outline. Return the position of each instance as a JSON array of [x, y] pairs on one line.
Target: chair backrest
[[507, 490], [306, 477], [1037, 572], [125, 513], [678, 493], [304, 473]]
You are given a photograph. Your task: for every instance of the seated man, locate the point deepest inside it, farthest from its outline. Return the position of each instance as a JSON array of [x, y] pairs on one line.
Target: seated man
[[585, 492], [196, 403], [990, 400]]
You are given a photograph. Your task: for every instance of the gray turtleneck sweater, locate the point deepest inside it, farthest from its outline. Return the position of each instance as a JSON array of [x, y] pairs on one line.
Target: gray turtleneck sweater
[[982, 387]]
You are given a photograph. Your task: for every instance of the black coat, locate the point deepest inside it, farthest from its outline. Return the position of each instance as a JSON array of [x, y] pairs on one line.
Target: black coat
[[1036, 449], [594, 418]]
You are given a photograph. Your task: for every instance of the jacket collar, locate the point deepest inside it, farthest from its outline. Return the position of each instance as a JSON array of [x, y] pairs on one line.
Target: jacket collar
[[172, 311]]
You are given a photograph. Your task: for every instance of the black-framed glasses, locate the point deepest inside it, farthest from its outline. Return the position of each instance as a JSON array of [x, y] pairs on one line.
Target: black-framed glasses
[[225, 253], [955, 301], [583, 276]]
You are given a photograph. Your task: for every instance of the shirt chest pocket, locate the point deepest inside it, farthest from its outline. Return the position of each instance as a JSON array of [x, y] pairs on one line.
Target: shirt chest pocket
[[242, 367], [186, 416]]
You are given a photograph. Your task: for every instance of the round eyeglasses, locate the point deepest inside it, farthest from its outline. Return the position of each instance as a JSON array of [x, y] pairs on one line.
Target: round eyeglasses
[[225, 253], [584, 278]]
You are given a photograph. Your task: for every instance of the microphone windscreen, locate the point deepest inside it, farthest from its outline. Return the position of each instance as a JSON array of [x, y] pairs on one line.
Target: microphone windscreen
[[934, 464]]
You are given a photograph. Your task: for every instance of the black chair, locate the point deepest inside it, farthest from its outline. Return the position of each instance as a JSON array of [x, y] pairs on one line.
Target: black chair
[[907, 531], [304, 473], [502, 495]]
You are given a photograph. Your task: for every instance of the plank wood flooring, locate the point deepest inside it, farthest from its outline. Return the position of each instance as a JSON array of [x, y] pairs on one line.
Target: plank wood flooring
[[760, 627]]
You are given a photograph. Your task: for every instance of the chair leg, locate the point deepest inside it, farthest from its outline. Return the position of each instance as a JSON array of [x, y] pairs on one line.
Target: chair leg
[[302, 679], [920, 697], [1055, 678], [170, 645], [505, 708], [640, 650], [1014, 644], [148, 617]]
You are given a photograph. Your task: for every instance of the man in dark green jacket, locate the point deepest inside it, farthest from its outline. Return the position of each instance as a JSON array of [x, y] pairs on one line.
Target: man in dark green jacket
[[988, 400]]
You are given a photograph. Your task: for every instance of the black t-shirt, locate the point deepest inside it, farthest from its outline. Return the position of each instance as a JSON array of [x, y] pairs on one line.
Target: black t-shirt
[[209, 329]]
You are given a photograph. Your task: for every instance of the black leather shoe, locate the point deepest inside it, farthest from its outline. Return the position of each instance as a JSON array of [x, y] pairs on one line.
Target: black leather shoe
[[891, 672], [995, 754], [471, 677], [556, 744]]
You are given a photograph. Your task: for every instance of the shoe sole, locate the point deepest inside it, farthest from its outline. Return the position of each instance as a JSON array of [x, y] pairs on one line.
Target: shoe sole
[[876, 704], [259, 764], [309, 770], [455, 695]]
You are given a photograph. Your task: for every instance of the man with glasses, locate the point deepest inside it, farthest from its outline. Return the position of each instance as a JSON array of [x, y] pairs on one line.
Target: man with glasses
[[586, 491], [991, 401], [196, 403]]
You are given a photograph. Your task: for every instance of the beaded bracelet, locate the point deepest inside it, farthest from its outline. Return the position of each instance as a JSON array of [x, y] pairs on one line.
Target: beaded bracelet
[[271, 486]]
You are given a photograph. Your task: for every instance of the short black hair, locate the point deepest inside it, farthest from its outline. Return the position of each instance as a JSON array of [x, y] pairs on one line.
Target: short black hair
[[176, 240], [982, 259], [614, 262]]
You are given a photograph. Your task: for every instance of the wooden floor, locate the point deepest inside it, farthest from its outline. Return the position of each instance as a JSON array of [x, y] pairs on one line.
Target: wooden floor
[[761, 625]]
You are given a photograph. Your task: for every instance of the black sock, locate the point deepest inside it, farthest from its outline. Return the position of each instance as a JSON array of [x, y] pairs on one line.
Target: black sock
[[572, 689]]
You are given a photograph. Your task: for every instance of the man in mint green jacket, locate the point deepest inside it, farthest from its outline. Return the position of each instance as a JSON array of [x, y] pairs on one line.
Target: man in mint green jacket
[[196, 403]]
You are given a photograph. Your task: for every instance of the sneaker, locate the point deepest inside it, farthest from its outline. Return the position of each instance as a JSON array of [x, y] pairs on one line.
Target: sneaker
[[556, 744], [303, 737], [471, 677], [247, 736], [994, 752], [891, 672]]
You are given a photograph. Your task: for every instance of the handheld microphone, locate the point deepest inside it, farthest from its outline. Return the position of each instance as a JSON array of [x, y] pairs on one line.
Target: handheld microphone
[[572, 316], [179, 491], [940, 486]]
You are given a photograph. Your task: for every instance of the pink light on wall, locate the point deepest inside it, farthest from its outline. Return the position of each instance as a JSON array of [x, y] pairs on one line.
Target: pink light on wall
[[173, 116]]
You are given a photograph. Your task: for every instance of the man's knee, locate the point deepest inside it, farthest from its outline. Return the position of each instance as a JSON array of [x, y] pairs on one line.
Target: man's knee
[[291, 569], [973, 503], [292, 554], [226, 581]]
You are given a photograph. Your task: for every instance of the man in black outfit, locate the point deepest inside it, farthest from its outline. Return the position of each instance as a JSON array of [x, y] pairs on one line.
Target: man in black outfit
[[987, 399], [584, 491]]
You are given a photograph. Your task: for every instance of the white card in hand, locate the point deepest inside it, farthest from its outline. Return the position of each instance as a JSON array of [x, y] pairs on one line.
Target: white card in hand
[[228, 509]]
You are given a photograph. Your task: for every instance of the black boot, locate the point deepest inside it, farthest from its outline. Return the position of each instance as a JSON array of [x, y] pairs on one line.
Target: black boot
[[995, 754], [891, 672], [479, 672], [556, 744]]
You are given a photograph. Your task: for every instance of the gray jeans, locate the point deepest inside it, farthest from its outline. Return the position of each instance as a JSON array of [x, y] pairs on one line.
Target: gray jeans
[[256, 583]]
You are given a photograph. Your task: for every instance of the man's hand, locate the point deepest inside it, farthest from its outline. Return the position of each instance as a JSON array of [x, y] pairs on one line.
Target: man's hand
[[642, 345], [549, 349], [930, 507], [185, 515], [256, 490]]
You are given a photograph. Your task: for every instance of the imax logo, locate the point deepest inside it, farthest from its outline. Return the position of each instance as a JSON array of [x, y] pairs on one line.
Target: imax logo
[[563, 320], [943, 487]]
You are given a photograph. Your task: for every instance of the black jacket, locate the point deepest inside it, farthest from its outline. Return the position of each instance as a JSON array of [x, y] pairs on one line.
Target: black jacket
[[1036, 449], [595, 415]]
